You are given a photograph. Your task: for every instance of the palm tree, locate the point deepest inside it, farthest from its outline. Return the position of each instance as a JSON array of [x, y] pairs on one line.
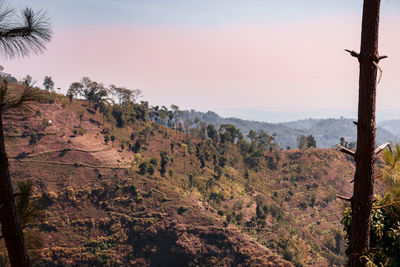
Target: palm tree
[[19, 36]]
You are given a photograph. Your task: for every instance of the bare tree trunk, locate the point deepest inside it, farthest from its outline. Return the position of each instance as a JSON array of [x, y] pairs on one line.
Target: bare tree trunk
[[11, 227], [361, 202]]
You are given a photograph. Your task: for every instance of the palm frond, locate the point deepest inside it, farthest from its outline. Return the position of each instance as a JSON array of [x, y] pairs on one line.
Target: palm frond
[[20, 35], [30, 210], [17, 98]]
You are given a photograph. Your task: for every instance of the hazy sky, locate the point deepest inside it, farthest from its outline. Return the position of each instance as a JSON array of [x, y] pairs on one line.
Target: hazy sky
[[256, 59]]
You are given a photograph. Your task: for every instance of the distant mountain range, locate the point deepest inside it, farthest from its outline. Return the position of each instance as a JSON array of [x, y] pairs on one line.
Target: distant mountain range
[[327, 132]]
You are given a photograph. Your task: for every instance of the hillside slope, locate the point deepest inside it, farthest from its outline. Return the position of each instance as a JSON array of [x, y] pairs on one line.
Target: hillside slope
[[103, 207], [100, 211]]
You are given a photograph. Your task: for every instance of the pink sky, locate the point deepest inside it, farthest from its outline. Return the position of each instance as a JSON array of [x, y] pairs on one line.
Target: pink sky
[[291, 66]]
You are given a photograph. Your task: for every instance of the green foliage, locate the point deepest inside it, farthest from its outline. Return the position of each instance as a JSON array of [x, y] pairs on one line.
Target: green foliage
[[48, 83], [385, 216], [119, 116], [229, 133], [46, 122], [182, 209], [137, 146], [385, 234], [106, 139], [304, 141], [222, 161], [154, 161], [165, 159], [143, 168], [151, 169], [212, 133], [34, 138]]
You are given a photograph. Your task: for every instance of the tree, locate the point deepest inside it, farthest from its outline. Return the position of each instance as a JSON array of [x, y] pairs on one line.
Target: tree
[[27, 80], [75, 89], [365, 155], [112, 137], [212, 133], [311, 141], [302, 142], [48, 83], [187, 123], [343, 142], [176, 114], [252, 136], [19, 36], [143, 168], [165, 159]]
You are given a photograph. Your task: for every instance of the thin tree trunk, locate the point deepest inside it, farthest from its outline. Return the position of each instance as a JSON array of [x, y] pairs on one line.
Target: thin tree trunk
[[11, 227], [361, 202]]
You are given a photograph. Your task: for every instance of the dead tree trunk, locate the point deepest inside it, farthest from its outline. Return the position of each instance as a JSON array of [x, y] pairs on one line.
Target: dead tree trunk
[[10, 224], [361, 202]]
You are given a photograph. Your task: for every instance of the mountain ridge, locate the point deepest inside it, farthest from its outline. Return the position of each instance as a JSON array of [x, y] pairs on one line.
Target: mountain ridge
[[327, 132]]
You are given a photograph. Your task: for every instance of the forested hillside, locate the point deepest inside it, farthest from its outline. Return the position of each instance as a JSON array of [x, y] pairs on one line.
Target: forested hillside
[[327, 132], [120, 184]]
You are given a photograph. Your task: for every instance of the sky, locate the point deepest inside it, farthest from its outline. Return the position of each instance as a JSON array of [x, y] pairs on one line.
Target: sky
[[254, 59]]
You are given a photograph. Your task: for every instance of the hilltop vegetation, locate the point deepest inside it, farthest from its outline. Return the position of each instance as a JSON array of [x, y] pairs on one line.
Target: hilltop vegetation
[[118, 183]]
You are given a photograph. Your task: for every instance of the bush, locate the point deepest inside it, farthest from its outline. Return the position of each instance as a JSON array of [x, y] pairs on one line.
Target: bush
[[153, 161], [182, 209], [34, 138], [143, 168], [81, 131], [136, 146], [46, 122], [222, 161], [151, 169]]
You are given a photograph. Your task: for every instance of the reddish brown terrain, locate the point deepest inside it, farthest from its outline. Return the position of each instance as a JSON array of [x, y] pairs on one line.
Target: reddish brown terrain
[[99, 211]]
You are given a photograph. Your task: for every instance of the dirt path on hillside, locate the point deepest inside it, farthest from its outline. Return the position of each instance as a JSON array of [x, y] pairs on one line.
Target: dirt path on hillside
[[106, 154]]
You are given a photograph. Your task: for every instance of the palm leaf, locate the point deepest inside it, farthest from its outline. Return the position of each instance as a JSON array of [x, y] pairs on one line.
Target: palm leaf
[[24, 33]]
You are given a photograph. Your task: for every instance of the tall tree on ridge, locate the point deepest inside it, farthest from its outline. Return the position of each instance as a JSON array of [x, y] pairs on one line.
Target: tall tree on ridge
[[17, 38], [365, 155], [48, 83]]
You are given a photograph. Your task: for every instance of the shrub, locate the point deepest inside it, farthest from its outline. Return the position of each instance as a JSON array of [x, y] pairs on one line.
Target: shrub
[[151, 169], [49, 198], [34, 138], [46, 122], [136, 146], [143, 168], [81, 131], [222, 161], [182, 209], [153, 161]]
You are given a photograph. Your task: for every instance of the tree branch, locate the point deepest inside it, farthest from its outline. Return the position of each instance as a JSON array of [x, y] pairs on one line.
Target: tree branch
[[344, 198], [381, 57], [353, 53], [381, 147], [347, 151], [355, 123]]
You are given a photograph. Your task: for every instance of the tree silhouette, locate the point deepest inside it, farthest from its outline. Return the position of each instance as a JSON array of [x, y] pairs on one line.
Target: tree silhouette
[[48, 83], [19, 36]]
